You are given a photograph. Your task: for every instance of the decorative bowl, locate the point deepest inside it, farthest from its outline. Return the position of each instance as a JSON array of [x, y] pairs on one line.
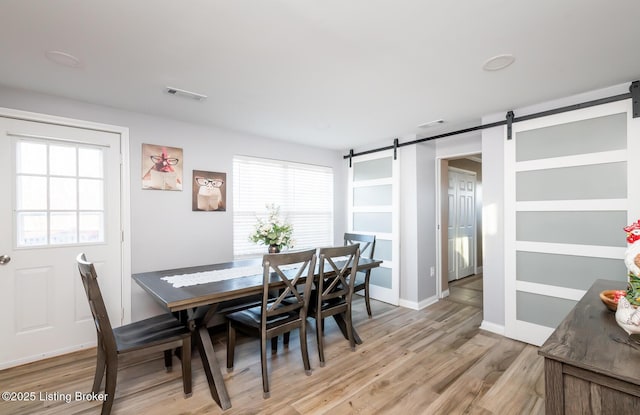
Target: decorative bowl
[[608, 298]]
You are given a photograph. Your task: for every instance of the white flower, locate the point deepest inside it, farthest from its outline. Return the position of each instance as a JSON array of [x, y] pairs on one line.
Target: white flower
[[274, 230]]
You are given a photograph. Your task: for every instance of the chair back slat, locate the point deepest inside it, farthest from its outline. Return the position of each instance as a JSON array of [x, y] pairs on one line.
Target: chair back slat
[[291, 276], [337, 281], [96, 303], [367, 243]]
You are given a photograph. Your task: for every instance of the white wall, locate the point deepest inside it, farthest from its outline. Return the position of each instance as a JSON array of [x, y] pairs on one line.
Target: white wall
[[493, 229], [165, 233], [426, 223]]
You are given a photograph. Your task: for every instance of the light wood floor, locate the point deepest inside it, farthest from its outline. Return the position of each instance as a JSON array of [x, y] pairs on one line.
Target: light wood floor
[[432, 361]]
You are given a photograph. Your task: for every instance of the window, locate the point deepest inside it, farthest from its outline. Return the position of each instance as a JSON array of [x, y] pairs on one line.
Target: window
[[304, 193], [59, 194]]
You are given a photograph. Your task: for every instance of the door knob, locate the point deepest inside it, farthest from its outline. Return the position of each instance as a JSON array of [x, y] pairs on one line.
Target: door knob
[[4, 259]]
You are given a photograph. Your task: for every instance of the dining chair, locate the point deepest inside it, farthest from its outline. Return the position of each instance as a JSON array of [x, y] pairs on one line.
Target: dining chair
[[159, 333], [290, 277], [334, 289], [367, 249]]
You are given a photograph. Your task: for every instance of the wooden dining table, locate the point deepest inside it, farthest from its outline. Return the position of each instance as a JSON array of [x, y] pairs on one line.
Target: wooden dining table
[[198, 304]]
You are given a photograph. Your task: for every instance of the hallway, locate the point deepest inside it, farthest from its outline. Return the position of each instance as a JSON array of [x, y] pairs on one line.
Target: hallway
[[467, 290]]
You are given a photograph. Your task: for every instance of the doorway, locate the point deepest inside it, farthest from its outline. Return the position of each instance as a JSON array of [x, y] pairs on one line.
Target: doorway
[[466, 256]]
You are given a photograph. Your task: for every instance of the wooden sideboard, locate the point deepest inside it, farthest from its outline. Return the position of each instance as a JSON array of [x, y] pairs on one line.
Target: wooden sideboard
[[591, 365]]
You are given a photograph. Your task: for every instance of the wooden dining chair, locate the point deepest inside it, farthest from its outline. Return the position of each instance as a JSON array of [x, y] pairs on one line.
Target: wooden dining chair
[[159, 333], [278, 314], [367, 249], [334, 289]]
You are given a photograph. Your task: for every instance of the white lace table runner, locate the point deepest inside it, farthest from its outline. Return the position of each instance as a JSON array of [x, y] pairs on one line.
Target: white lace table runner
[[187, 280]]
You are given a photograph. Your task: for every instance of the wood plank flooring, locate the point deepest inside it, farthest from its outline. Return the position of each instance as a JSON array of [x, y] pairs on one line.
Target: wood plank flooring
[[432, 361]]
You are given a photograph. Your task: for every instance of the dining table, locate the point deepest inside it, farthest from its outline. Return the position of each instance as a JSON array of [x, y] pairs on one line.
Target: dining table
[[198, 303]]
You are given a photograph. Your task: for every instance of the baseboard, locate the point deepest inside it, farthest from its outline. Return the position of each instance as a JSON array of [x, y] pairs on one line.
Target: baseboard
[[418, 305], [492, 327], [445, 293], [42, 356], [479, 270]]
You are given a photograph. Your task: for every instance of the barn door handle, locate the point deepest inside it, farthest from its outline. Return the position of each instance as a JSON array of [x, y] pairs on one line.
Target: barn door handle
[[4, 259]]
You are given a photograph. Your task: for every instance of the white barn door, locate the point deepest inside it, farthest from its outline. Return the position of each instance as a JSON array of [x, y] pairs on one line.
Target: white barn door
[[570, 188], [374, 194]]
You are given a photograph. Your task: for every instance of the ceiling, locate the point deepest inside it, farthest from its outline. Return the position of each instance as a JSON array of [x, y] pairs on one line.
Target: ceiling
[[334, 73]]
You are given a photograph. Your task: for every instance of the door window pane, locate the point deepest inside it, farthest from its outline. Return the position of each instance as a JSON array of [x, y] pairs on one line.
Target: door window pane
[[63, 194], [31, 193], [579, 137], [91, 227], [372, 195], [597, 181], [90, 162], [62, 161], [541, 309], [372, 222], [381, 277], [64, 228], [32, 228], [373, 169], [383, 250], [31, 158], [90, 194], [580, 228], [570, 271]]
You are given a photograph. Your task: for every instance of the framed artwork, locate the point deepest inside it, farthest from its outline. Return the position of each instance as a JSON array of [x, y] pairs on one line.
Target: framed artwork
[[209, 191], [161, 167]]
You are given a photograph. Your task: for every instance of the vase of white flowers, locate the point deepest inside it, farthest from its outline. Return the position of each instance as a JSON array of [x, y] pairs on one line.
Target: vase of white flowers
[[273, 231]]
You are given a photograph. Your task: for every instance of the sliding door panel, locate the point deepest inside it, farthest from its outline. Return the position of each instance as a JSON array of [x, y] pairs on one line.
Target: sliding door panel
[[567, 201], [374, 209]]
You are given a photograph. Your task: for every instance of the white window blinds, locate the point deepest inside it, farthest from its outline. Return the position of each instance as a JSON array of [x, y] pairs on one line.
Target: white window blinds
[[304, 193]]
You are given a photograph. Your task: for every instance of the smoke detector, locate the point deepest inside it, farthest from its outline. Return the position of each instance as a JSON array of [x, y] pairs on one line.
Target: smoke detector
[[185, 94], [499, 62], [63, 58]]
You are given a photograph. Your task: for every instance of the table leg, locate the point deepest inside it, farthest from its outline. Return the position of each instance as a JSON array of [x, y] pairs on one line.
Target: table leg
[[342, 324], [198, 326], [212, 369]]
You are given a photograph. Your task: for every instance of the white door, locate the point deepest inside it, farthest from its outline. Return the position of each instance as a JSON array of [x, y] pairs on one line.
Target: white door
[[374, 194], [462, 223], [61, 196], [570, 189]]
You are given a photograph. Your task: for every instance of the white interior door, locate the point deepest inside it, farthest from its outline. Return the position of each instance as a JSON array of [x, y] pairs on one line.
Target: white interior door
[[462, 224], [374, 194], [61, 196]]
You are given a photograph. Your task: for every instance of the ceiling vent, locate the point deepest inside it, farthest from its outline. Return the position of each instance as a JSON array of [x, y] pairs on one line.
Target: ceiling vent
[[185, 94], [431, 123]]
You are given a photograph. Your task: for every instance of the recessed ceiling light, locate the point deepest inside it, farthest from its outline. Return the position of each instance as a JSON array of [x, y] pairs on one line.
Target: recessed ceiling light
[[186, 94], [498, 62], [431, 123], [63, 58]]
